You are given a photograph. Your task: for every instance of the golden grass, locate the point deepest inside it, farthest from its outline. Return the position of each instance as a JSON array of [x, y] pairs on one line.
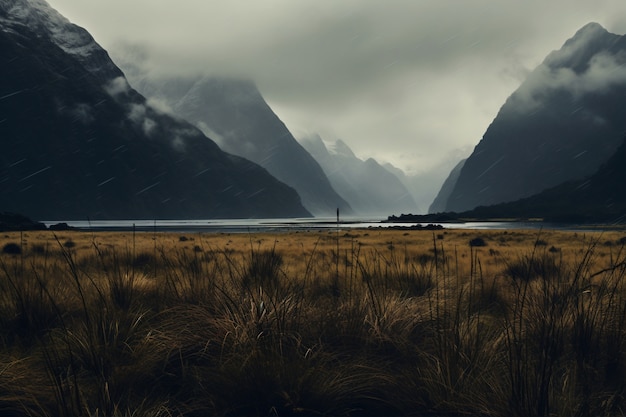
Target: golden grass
[[355, 322]]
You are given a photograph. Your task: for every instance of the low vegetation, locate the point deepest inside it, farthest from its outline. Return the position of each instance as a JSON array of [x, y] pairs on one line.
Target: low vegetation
[[370, 322]]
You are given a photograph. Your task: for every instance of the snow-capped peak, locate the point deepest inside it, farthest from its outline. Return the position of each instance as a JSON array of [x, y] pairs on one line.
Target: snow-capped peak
[[39, 17], [339, 147]]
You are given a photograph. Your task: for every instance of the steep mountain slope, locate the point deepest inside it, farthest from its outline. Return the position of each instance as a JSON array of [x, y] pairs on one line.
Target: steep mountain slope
[[439, 203], [561, 124], [235, 115], [423, 186], [598, 198], [77, 142], [368, 187]]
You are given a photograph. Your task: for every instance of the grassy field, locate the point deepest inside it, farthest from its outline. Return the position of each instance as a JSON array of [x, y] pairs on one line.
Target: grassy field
[[358, 322]]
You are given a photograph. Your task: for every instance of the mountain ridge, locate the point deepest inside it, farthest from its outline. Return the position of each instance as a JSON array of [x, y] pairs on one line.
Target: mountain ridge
[[599, 198], [561, 124], [235, 114], [80, 143], [370, 188]]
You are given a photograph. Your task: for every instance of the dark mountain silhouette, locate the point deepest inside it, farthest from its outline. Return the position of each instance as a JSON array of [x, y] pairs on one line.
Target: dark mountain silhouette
[[78, 142], [599, 198], [439, 204], [369, 188], [14, 221], [561, 124], [234, 113]]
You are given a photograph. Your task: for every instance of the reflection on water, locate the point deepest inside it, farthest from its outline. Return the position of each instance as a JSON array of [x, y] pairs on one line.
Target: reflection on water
[[284, 225]]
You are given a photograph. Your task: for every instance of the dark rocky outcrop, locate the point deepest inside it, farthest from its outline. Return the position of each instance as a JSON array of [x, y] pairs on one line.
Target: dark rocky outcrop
[[16, 222]]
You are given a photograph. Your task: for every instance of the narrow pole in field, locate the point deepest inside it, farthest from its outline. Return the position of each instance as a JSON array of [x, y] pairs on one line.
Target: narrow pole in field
[[336, 283]]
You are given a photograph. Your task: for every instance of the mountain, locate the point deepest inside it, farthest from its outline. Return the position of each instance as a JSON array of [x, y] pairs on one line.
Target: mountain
[[234, 113], [561, 124], [422, 186], [599, 198], [16, 222], [369, 188], [439, 204], [78, 142]]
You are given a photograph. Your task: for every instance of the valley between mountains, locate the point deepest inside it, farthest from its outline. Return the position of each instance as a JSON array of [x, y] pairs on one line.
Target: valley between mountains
[[85, 137]]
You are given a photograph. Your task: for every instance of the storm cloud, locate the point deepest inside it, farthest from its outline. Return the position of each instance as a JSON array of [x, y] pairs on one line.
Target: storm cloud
[[597, 72], [409, 82]]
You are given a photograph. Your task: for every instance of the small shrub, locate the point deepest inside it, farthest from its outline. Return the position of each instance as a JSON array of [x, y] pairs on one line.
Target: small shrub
[[12, 249], [477, 241], [38, 249], [527, 268], [69, 244], [263, 269], [143, 260], [424, 259], [415, 284]]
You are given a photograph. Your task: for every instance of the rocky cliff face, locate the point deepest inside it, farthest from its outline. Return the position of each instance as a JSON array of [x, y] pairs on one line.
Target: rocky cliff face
[[369, 187], [561, 124], [235, 114], [78, 142]]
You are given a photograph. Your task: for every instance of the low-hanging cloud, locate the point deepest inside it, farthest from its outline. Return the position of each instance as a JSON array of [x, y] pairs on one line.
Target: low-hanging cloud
[[396, 77], [604, 71], [117, 86]]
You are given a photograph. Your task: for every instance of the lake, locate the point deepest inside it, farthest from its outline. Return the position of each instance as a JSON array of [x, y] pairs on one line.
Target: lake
[[296, 224]]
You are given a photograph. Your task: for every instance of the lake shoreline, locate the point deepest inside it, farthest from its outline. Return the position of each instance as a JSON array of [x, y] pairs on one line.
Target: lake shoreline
[[292, 225]]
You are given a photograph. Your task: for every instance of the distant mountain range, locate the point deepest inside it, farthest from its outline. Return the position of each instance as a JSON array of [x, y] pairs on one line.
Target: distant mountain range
[[78, 142], [233, 112], [370, 188], [564, 121]]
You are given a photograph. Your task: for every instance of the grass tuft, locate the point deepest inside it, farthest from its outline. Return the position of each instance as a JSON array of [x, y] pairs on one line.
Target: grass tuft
[[381, 323]]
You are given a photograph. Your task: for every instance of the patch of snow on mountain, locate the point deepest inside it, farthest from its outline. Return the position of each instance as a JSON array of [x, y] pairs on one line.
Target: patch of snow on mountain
[[338, 147], [39, 15]]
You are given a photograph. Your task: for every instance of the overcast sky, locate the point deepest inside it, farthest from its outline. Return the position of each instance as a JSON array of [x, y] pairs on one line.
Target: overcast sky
[[413, 82]]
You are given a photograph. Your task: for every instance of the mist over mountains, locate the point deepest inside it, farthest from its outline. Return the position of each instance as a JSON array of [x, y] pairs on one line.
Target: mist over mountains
[[564, 121], [78, 142], [368, 186], [233, 113]]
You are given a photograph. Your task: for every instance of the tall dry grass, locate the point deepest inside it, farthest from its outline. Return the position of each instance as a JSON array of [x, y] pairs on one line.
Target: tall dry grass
[[366, 323]]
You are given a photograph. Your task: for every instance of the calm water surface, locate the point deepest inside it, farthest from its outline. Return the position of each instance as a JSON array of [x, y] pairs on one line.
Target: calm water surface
[[285, 225]]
